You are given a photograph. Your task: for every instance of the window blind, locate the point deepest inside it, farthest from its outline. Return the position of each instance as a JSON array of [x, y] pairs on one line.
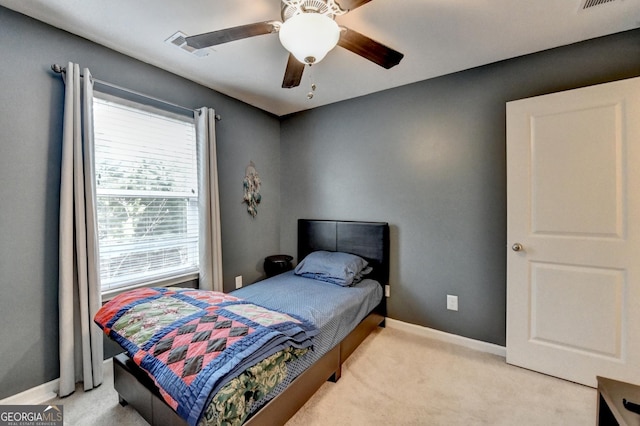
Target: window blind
[[147, 193]]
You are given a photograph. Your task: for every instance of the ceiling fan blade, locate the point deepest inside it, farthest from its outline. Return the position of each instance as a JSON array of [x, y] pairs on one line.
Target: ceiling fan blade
[[348, 5], [293, 74], [369, 49], [214, 38]]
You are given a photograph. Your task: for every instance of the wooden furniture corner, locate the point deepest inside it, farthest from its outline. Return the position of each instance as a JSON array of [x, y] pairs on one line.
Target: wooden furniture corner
[[610, 410]]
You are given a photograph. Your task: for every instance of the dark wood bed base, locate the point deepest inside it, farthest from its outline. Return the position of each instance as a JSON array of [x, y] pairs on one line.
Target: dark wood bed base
[[367, 239]]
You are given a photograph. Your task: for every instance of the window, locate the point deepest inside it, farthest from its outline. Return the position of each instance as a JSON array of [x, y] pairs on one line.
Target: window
[[146, 193]]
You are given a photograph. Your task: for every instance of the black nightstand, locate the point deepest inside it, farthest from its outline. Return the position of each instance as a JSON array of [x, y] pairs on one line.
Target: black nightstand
[[277, 264]]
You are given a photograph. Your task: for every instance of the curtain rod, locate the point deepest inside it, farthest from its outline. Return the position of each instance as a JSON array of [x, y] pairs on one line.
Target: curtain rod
[[60, 70]]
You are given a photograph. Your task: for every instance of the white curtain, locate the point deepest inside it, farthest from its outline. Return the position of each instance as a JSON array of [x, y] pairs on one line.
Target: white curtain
[[210, 239], [81, 352]]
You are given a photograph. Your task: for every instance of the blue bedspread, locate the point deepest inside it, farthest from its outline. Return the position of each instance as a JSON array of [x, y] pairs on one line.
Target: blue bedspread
[[333, 309]]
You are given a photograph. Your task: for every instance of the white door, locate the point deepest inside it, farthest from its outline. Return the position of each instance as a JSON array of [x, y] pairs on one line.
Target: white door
[[573, 233]]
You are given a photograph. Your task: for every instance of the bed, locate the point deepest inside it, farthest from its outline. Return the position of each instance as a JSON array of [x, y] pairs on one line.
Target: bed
[[369, 240]]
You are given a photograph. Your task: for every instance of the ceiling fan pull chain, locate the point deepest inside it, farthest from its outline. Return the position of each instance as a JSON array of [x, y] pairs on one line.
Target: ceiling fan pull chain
[[313, 85]]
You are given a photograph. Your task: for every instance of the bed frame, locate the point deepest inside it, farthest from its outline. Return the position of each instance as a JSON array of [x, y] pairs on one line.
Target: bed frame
[[369, 240]]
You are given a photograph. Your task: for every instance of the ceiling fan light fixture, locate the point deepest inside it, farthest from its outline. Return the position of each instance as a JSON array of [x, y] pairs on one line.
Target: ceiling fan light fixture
[[309, 36]]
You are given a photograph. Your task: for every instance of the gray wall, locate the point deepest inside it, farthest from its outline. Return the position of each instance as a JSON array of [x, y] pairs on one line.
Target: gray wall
[[30, 134], [429, 158]]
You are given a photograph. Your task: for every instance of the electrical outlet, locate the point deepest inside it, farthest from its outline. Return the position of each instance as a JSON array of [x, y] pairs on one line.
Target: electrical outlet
[[387, 290], [452, 302], [239, 281]]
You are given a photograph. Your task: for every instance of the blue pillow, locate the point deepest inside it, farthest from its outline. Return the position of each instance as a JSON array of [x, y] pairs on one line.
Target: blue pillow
[[339, 268]]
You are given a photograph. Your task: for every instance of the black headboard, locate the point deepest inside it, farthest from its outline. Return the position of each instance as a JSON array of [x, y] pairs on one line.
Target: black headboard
[[369, 240]]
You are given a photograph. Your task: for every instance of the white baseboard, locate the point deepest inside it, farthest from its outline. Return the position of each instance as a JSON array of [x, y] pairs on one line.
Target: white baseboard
[[42, 393], [447, 337], [34, 396]]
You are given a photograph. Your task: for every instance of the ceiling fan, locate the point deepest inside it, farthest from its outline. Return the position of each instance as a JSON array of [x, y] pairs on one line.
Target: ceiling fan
[[308, 31]]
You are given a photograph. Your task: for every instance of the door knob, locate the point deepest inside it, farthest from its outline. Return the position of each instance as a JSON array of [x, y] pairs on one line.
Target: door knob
[[516, 247]]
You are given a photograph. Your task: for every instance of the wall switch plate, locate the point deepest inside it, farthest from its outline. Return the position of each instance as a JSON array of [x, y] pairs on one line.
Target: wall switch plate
[[239, 281], [452, 302], [387, 290]]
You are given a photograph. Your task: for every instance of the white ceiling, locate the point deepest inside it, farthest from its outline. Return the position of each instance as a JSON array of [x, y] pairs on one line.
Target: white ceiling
[[437, 37]]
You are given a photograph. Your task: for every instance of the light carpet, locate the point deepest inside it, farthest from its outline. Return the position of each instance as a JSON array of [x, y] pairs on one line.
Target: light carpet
[[398, 378]]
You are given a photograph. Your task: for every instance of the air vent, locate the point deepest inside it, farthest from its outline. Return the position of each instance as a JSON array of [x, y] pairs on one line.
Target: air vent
[[179, 40], [586, 4]]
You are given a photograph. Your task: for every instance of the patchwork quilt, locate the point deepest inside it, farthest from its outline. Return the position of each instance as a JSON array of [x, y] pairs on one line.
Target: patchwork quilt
[[193, 342]]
